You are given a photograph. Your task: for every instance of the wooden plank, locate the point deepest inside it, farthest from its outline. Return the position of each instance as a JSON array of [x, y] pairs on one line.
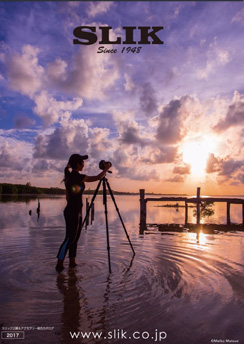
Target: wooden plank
[[195, 200]]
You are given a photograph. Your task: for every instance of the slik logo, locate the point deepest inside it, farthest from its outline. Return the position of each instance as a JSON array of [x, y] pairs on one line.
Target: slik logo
[[87, 35]]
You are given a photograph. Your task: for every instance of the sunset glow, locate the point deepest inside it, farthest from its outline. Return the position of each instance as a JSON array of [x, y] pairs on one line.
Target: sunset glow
[[196, 152]]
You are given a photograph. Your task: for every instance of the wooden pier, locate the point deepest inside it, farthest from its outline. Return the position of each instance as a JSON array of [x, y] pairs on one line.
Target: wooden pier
[[196, 200]]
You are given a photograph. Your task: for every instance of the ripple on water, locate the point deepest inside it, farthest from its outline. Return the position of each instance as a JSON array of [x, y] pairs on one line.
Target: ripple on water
[[172, 280]]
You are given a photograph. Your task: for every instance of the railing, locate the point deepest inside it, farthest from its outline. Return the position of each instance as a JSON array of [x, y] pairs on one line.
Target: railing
[[197, 200]]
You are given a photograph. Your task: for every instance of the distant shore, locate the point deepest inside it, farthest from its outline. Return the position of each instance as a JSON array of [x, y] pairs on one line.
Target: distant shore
[[28, 189]]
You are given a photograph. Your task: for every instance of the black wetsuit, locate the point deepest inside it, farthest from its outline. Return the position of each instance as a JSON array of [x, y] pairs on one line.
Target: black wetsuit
[[72, 214]]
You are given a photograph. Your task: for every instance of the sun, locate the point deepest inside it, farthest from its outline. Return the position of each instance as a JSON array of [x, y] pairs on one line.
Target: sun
[[196, 152]]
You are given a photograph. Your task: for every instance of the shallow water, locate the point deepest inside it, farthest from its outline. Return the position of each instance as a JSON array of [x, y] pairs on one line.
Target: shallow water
[[191, 289]]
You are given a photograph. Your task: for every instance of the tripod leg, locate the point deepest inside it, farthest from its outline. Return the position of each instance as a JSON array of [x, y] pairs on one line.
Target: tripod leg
[[106, 218], [92, 201], [117, 209]]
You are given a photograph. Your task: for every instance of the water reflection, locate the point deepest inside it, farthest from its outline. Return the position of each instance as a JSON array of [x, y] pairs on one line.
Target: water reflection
[[71, 312], [180, 281]]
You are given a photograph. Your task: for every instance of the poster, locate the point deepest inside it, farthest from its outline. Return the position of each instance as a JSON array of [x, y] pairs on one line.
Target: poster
[[156, 88]]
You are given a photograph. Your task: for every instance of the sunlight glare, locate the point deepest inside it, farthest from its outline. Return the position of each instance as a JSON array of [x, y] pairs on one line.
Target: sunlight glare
[[195, 153]]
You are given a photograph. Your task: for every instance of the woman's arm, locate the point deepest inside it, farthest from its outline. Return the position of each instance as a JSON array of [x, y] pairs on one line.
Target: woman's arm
[[90, 179]]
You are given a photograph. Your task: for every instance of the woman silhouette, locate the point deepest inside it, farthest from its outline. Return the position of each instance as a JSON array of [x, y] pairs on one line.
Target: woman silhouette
[[75, 186]]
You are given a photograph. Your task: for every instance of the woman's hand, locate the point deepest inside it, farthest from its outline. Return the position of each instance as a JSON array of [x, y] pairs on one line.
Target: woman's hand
[[107, 166], [90, 179]]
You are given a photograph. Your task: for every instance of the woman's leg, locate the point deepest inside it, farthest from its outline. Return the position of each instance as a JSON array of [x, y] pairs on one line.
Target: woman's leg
[[72, 221], [73, 246]]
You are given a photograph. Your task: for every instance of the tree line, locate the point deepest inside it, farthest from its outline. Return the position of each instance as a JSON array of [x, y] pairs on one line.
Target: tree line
[[27, 189], [19, 189]]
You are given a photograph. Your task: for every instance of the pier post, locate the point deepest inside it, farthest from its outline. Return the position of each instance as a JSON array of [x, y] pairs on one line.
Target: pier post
[[198, 205], [242, 215], [228, 213], [87, 207], [92, 213], [143, 211], [186, 213]]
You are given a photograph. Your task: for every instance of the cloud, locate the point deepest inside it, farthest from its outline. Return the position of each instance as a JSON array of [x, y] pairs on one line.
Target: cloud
[[51, 110], [129, 130], [64, 141], [234, 115], [40, 166], [96, 8], [131, 135], [127, 167], [89, 74], [229, 167], [228, 170], [148, 100], [216, 57], [158, 154], [100, 144], [240, 178], [22, 122], [212, 164], [143, 175], [24, 73], [182, 170], [56, 70], [176, 179], [14, 156], [239, 17], [129, 85], [170, 123]]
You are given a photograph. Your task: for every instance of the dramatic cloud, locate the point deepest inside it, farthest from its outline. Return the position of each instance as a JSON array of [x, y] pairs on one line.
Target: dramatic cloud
[[129, 130], [234, 115], [142, 111], [170, 123], [228, 170], [229, 167], [212, 164], [71, 137]]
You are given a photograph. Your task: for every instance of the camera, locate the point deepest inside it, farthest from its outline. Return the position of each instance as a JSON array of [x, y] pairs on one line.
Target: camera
[[102, 164]]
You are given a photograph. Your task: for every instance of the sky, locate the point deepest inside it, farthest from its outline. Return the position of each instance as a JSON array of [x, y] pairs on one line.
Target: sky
[[169, 118]]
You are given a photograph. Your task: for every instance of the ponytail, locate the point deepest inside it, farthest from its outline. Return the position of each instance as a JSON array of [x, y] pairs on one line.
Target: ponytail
[[66, 174]]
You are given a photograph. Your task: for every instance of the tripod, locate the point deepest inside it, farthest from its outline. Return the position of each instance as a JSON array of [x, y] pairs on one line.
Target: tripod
[[105, 186]]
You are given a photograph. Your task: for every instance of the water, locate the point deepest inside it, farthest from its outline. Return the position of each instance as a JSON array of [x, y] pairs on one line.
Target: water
[[191, 289]]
